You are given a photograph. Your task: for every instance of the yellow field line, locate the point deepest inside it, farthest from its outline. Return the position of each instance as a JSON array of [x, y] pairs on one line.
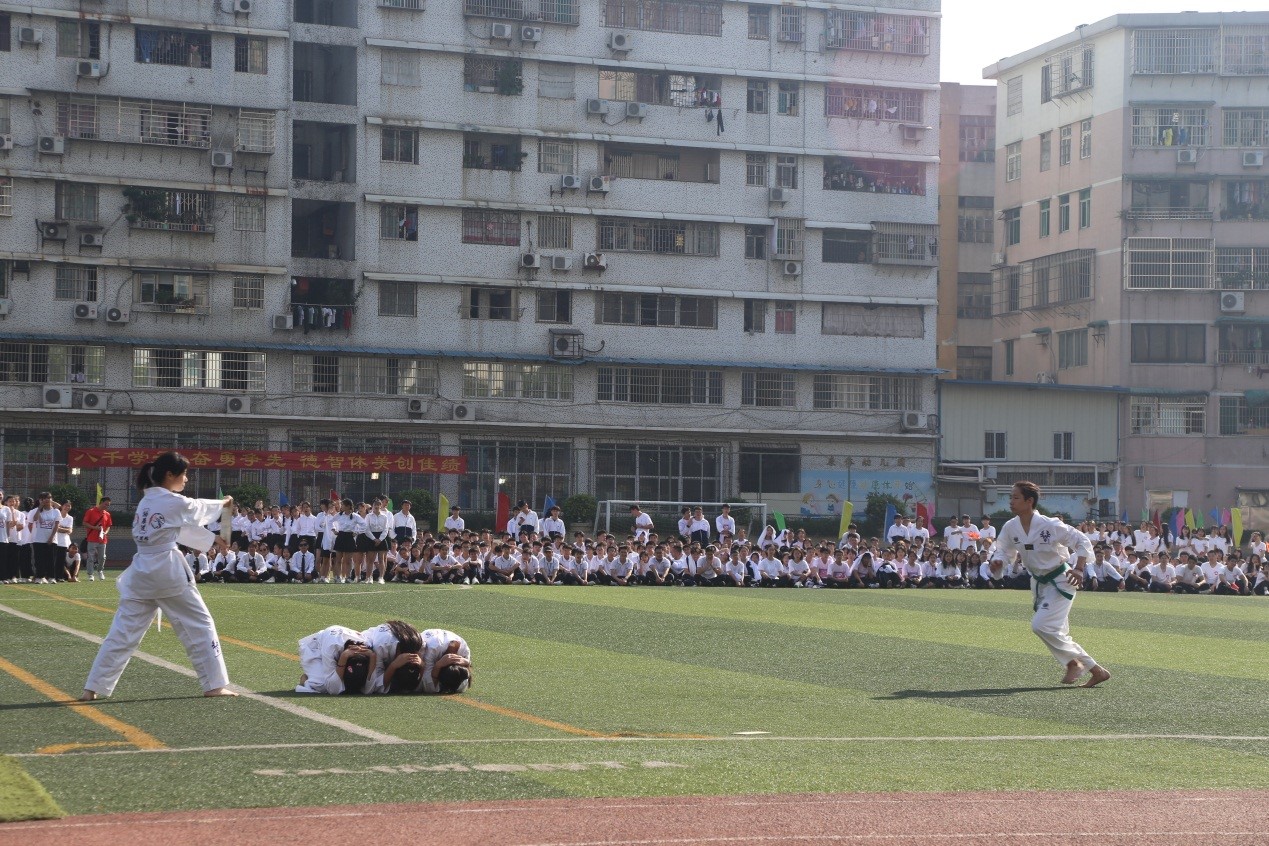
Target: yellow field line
[[60, 748], [130, 733]]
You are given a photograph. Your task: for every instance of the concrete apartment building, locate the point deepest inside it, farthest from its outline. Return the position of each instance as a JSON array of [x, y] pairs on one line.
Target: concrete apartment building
[[1131, 193], [670, 250]]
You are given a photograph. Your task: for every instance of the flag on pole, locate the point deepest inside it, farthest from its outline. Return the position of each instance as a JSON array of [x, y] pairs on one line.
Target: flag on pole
[[890, 515], [334, 495], [1178, 520], [503, 512], [1157, 520], [442, 511], [1145, 515], [1226, 517], [283, 499], [1215, 514], [220, 494], [1189, 519], [100, 495], [547, 505], [1236, 526], [778, 519], [392, 507], [848, 511], [1199, 520]]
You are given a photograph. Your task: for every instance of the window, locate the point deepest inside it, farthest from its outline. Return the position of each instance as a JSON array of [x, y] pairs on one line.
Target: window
[[400, 67], [1168, 415], [5, 126], [1064, 145], [977, 138], [790, 236], [907, 35], [1178, 125], [1169, 262], [660, 471], [786, 171], [490, 75], [171, 291], [6, 196], [857, 392], [1244, 127], [6, 36], [79, 39], [1072, 349], [995, 445], [549, 11], [1174, 51], [1045, 207], [556, 81], [1239, 418], [1170, 199], [1006, 290], [1046, 151], [674, 237], [875, 176], [1086, 138], [756, 91], [251, 54], [77, 117], [555, 306], [173, 47], [398, 222], [973, 362], [400, 145], [1066, 73], [1245, 50], [661, 386], [756, 169], [846, 246], [852, 101], [490, 304], [55, 363], [503, 380], [912, 244], [787, 95], [660, 162], [1086, 208], [76, 201], [241, 372], [1009, 357], [381, 376], [257, 131], [759, 23], [658, 88], [397, 299], [1063, 446], [792, 23], [756, 241], [76, 282], [770, 469], [786, 314], [688, 17], [1169, 343], [528, 470], [248, 214], [248, 291], [1057, 278], [166, 124], [657, 310], [869, 321], [1013, 96], [973, 296], [1013, 161], [765, 389], [487, 226], [483, 151], [1064, 212], [1246, 199], [557, 156], [174, 211], [755, 316], [974, 220], [555, 232], [1013, 226], [1243, 267]]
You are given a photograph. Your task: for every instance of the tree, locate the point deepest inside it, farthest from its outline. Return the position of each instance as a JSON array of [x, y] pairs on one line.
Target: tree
[[248, 494], [80, 500], [579, 509], [422, 506], [874, 522]]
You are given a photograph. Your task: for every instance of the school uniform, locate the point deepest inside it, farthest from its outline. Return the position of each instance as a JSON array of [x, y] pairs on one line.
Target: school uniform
[[383, 642], [1189, 579], [725, 525], [238, 526], [272, 529], [553, 526], [305, 527], [436, 646], [1161, 578], [319, 659], [642, 527], [7, 570], [404, 527], [43, 546], [455, 523], [991, 574], [345, 529], [698, 530], [1230, 580]]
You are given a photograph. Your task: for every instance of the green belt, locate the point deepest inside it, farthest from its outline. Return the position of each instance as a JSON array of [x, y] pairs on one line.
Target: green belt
[[1049, 578]]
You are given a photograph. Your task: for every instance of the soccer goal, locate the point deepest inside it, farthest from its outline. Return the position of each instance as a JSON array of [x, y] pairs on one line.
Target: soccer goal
[[613, 515]]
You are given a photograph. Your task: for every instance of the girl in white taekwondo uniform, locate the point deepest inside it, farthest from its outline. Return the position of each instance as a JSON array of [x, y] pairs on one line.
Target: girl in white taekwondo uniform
[[159, 578], [446, 662], [334, 660], [1044, 544]]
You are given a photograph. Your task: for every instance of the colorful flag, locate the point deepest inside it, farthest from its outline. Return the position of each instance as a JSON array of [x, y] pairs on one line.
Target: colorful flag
[[1145, 515], [1215, 514], [334, 495], [778, 519], [1199, 520], [890, 515], [442, 511], [848, 511], [1236, 526], [1226, 517], [1189, 519], [100, 496], [220, 494], [547, 504], [391, 506], [502, 513], [923, 513], [1178, 520], [283, 499]]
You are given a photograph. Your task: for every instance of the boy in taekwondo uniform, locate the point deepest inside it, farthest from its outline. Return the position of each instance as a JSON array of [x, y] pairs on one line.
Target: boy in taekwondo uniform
[[1044, 545]]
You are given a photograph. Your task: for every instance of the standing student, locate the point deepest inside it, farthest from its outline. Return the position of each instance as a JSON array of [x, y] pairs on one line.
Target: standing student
[[379, 527], [725, 524], [160, 579], [455, 519], [98, 521], [404, 527], [7, 575], [553, 525], [642, 524], [42, 523], [1041, 542]]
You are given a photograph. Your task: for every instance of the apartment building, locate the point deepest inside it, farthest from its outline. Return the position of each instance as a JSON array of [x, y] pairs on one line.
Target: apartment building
[[657, 250]]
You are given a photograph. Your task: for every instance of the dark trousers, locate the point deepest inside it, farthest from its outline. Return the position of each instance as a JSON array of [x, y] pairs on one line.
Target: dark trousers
[[1160, 587], [45, 560], [1185, 587], [888, 580], [1108, 586]]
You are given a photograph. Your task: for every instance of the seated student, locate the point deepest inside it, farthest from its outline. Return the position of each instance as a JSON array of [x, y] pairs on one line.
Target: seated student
[[304, 563], [1261, 585], [683, 564], [1162, 575], [574, 568], [947, 573], [656, 569], [1189, 576], [1137, 579], [888, 575], [708, 567], [839, 571], [991, 574], [473, 565], [1102, 573], [502, 567], [547, 571], [1256, 546], [225, 563], [200, 563], [864, 574], [799, 569], [619, 570], [685, 523], [1230, 580], [335, 660], [275, 569], [70, 563], [735, 573], [446, 663]]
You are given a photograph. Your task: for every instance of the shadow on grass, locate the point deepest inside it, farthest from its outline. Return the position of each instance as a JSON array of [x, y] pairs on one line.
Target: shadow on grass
[[970, 693], [99, 703]]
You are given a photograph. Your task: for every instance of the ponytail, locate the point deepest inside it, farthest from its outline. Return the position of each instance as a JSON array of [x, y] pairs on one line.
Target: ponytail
[[153, 473]]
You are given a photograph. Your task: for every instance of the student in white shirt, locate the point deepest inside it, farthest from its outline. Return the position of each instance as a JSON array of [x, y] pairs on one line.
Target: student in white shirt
[[991, 574], [71, 560], [1162, 575], [685, 523], [1261, 585], [552, 524], [725, 525], [1256, 546], [379, 528], [304, 563], [335, 660], [699, 527], [455, 520], [1230, 580], [642, 524], [404, 527], [1189, 576]]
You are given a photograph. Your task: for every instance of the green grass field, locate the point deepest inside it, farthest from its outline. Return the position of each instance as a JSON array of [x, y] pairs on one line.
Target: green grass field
[[612, 691]]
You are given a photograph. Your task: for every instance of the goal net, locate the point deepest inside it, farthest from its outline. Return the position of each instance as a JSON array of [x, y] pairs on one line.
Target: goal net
[[613, 515]]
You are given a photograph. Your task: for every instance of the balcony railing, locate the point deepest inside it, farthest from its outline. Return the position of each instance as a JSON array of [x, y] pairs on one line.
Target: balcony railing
[[1256, 357], [1169, 214]]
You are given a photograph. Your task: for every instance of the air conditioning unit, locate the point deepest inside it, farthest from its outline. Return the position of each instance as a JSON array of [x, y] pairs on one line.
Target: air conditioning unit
[[619, 42], [1233, 302], [92, 68], [93, 400], [117, 315], [57, 396], [222, 158], [915, 421], [1253, 158], [990, 472], [242, 7], [998, 259], [50, 145], [1186, 156], [85, 311], [570, 182], [567, 343], [91, 239], [912, 132], [531, 34], [595, 106], [595, 261], [30, 36], [462, 412], [5, 306], [599, 184], [531, 261], [500, 31], [561, 263], [792, 268], [54, 230], [791, 37], [1045, 378], [415, 407], [780, 195], [283, 321], [238, 405], [6, 142], [637, 110]]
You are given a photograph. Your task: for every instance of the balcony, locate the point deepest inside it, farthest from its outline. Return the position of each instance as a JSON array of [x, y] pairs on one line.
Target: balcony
[[323, 152], [319, 304], [325, 73], [1168, 213], [1258, 358], [170, 211], [323, 230]]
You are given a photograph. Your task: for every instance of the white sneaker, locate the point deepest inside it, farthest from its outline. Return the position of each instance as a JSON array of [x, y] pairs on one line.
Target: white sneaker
[[467, 580], [42, 582], [381, 580], [91, 577]]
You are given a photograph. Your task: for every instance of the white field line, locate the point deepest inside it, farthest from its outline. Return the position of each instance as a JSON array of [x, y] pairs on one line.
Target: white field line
[[911, 837], [288, 707]]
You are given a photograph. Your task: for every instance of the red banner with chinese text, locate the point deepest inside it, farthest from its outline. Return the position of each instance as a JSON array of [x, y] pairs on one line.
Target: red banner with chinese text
[[240, 459]]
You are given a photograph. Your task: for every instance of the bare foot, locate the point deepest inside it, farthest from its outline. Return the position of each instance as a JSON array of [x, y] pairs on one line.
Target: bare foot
[[1099, 675], [88, 695], [220, 691], [1074, 669]]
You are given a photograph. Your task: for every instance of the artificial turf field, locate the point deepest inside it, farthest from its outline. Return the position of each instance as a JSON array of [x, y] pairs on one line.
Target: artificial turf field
[[591, 692]]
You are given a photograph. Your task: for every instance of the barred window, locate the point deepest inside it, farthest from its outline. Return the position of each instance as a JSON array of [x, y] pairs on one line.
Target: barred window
[[661, 386], [165, 124], [398, 222], [1086, 138], [380, 376], [257, 131], [756, 92], [490, 304], [788, 94], [400, 145], [756, 169], [1243, 267], [1169, 263], [1072, 348], [556, 81], [488, 74], [658, 88], [1013, 96], [1177, 125], [687, 238], [557, 156], [1068, 72], [79, 117], [251, 54], [170, 290], [977, 138], [76, 201], [76, 282], [1244, 127], [790, 237], [401, 67], [852, 392], [688, 17], [1239, 418], [5, 126], [657, 310], [248, 214], [52, 363], [397, 299], [973, 295], [908, 35], [1245, 51], [759, 22], [555, 306], [641, 163], [905, 243], [871, 321], [1058, 278], [548, 11], [173, 47], [792, 23], [555, 232], [874, 176], [487, 226], [174, 211], [766, 389], [485, 151], [79, 39], [506, 380], [248, 291], [214, 370], [786, 171], [1168, 415], [1174, 51]]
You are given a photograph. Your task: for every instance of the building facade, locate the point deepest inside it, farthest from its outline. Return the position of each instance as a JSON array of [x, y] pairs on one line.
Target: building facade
[[671, 250], [1130, 245]]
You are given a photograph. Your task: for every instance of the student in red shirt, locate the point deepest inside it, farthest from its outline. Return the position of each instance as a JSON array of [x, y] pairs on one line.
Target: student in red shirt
[[98, 521]]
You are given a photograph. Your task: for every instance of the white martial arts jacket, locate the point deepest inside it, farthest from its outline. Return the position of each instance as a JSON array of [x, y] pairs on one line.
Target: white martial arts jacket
[[435, 646], [319, 656], [1046, 548], [159, 569]]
